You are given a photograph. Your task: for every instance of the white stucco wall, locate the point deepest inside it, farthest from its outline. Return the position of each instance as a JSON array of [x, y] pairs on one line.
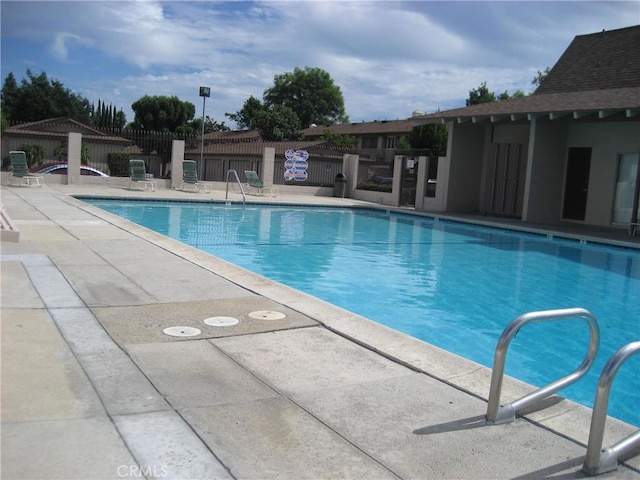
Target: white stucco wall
[[545, 178], [607, 141], [465, 151]]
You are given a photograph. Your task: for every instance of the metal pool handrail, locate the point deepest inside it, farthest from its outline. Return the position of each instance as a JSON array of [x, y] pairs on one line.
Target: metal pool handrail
[[496, 413], [600, 460], [226, 195]]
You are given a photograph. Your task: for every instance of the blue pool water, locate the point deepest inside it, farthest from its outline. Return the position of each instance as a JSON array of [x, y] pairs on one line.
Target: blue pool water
[[450, 284]]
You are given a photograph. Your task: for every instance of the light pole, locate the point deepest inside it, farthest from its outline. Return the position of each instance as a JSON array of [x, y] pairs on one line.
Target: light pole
[[204, 93]]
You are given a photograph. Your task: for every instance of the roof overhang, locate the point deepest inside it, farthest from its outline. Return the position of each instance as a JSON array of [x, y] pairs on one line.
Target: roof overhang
[[621, 104]]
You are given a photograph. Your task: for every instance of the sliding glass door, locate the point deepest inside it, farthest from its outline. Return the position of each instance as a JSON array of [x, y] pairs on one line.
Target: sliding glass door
[[625, 206]]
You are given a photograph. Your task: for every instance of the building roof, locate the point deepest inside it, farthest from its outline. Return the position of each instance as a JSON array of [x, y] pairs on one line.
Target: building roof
[[317, 147], [619, 102], [598, 61], [60, 128], [376, 127], [232, 136], [579, 86]]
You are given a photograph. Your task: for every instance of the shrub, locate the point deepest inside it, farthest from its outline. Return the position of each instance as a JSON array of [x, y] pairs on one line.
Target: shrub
[[376, 187], [35, 153], [119, 164]]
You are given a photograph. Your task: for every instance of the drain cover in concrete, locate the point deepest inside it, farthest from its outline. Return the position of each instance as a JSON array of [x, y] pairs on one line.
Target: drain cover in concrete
[[267, 315], [181, 331], [221, 321]]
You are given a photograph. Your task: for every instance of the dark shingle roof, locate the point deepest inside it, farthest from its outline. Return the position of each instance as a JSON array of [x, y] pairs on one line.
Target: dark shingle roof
[[553, 104], [604, 60], [598, 76]]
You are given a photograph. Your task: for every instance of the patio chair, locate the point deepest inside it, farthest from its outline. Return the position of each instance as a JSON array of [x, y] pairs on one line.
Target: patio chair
[[138, 176], [190, 176], [20, 169], [254, 181]]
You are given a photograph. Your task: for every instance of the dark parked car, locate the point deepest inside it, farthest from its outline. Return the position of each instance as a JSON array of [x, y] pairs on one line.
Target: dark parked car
[[380, 180], [60, 168]]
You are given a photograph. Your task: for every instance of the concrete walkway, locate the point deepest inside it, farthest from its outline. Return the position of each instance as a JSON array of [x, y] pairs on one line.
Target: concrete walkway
[[92, 388]]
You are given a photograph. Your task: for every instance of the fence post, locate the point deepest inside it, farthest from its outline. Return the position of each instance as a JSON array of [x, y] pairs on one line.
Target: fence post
[[74, 155], [350, 170], [268, 164], [177, 157]]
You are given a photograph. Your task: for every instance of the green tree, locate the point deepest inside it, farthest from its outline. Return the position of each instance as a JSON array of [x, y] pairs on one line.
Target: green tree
[[38, 98], [162, 113], [431, 136], [339, 140], [540, 77], [278, 124], [194, 127], [310, 94], [480, 95], [244, 117], [34, 153], [61, 151], [107, 117], [3, 122]]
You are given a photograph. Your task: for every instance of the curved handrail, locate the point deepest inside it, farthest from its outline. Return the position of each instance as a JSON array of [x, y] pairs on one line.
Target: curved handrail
[[599, 460], [497, 413], [226, 195]]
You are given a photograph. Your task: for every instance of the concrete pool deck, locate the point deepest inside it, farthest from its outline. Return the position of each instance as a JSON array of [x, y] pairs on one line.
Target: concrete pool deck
[[92, 388]]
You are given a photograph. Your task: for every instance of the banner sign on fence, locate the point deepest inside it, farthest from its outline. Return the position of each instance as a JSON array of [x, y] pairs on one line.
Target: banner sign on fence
[[295, 165]]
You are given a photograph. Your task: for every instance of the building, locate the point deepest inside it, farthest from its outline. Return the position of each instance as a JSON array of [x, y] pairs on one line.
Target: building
[[567, 153], [52, 135]]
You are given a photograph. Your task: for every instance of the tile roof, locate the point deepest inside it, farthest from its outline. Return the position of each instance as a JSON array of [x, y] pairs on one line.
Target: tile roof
[[232, 135], [362, 128]]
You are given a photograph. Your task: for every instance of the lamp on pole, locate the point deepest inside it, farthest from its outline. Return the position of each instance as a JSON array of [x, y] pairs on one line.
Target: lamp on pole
[[204, 93]]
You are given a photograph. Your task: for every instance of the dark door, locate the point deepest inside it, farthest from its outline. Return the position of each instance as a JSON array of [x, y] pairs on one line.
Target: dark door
[[505, 188], [577, 183]]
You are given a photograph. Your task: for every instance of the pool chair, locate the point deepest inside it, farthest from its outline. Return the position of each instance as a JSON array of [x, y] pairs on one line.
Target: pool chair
[[254, 181], [138, 176], [190, 176], [20, 170]]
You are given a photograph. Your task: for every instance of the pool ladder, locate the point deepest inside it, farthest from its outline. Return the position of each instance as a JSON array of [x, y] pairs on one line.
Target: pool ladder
[[597, 460], [235, 174]]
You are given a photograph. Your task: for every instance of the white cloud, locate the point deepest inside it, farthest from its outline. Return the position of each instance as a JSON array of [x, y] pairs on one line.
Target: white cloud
[[60, 45], [388, 57]]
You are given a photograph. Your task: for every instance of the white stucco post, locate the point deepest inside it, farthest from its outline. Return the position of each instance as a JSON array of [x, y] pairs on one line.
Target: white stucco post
[[529, 170], [74, 155], [398, 165], [268, 163], [177, 157], [421, 184], [350, 170]]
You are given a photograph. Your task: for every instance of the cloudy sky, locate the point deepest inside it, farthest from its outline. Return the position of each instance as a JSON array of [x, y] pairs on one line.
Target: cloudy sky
[[388, 57]]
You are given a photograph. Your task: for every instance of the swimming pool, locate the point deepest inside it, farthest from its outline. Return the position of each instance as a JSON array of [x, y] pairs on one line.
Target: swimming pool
[[450, 284]]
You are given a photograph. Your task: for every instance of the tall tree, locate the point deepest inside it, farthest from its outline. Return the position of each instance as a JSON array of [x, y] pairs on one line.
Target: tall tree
[[310, 93], [278, 124], [244, 118], [480, 95], [431, 136], [38, 98], [540, 77], [162, 113]]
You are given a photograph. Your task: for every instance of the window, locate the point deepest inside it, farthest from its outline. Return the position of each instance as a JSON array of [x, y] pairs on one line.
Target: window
[[627, 189], [369, 142], [391, 142]]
